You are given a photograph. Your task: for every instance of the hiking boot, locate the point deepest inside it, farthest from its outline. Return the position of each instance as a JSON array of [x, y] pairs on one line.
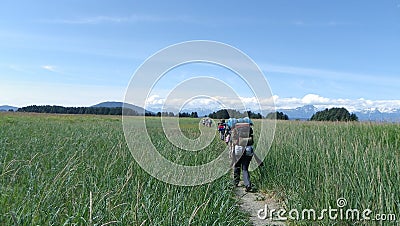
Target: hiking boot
[[248, 188]]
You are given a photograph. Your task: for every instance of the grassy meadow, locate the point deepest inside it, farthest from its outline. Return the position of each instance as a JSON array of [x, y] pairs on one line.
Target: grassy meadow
[[50, 164], [312, 164], [74, 169]]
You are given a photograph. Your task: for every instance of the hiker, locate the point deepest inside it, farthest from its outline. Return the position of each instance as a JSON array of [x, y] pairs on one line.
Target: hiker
[[221, 129], [227, 134], [242, 152], [243, 164]]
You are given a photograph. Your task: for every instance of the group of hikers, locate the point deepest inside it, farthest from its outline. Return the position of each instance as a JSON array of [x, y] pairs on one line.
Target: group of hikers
[[238, 135], [206, 122]]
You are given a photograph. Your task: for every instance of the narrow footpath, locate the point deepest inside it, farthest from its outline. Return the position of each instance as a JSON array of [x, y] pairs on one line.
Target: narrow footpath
[[253, 202]]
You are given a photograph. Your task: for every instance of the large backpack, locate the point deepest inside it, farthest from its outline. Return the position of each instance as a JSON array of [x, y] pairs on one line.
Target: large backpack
[[242, 134], [221, 127]]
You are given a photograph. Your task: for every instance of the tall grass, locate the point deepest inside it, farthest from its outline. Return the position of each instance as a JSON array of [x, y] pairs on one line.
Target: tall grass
[[78, 170], [312, 164]]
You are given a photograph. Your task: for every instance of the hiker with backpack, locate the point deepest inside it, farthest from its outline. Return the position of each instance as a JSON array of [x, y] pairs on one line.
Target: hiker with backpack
[[242, 150], [221, 129]]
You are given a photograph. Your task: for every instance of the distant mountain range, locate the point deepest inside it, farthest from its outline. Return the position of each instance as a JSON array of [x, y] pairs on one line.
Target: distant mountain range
[[305, 112], [300, 113], [376, 115], [7, 108]]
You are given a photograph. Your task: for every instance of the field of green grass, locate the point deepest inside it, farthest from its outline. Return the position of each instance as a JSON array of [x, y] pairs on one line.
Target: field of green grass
[[71, 169], [312, 164], [50, 164]]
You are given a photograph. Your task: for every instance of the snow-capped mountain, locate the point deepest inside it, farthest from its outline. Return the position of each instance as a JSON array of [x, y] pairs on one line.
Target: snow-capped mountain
[[303, 113], [376, 115]]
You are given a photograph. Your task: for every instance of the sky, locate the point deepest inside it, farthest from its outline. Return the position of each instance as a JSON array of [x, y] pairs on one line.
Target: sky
[[80, 53]]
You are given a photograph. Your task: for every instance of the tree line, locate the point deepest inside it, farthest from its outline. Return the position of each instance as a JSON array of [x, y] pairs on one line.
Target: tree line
[[78, 110], [98, 111], [277, 115], [334, 114], [232, 113], [180, 114]]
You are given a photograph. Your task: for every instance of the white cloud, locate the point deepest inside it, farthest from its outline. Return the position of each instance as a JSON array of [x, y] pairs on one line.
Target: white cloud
[[208, 102], [314, 99], [154, 100], [350, 104], [49, 67], [252, 103]]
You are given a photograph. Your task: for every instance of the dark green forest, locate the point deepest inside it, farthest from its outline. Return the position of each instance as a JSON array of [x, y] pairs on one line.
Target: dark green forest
[[78, 110], [98, 111], [334, 114], [277, 115], [231, 113]]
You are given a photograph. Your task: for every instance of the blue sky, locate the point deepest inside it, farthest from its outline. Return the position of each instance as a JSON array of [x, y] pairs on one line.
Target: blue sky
[[79, 53]]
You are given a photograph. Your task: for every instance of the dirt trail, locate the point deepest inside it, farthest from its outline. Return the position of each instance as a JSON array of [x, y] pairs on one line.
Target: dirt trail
[[252, 202]]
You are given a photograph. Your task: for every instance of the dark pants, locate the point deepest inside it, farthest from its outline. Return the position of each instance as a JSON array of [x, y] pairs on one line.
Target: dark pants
[[243, 164], [222, 134]]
